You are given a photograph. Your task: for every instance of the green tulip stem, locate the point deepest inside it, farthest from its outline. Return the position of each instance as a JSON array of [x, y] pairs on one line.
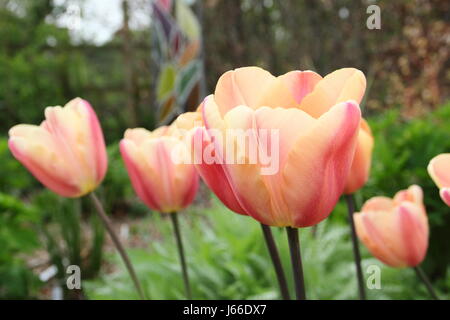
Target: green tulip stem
[[115, 239], [296, 260], [176, 230], [275, 256], [350, 200], [423, 277]]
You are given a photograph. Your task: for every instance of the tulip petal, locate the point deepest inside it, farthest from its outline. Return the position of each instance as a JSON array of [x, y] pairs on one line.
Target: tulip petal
[[359, 172], [43, 163], [276, 95], [413, 194], [242, 86], [318, 164], [439, 170], [379, 234], [378, 204], [301, 83], [338, 86], [287, 124], [188, 120], [97, 142], [128, 151], [414, 229], [213, 174], [445, 195]]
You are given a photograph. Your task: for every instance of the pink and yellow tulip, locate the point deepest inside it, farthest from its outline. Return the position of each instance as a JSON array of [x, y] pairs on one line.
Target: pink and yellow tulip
[[395, 230], [317, 121], [66, 152], [160, 182], [439, 170]]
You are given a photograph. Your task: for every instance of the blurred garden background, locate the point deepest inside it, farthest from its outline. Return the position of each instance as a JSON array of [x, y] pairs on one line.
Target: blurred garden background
[[140, 63]]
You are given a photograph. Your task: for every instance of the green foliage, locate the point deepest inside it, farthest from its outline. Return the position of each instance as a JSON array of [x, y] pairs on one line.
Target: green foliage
[[18, 237], [227, 259], [31, 70]]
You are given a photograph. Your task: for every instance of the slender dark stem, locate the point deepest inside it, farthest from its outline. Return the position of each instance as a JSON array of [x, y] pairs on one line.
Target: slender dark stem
[[349, 198], [296, 259], [274, 255], [117, 243], [422, 276], [176, 229]]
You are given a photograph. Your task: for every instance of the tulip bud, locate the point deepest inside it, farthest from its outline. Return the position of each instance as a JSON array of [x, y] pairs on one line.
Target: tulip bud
[[162, 180], [439, 170], [395, 230], [66, 152]]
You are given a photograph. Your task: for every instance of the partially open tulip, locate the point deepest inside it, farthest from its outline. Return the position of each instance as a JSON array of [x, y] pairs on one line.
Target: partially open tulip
[[66, 152], [395, 230], [439, 170], [162, 183], [307, 159]]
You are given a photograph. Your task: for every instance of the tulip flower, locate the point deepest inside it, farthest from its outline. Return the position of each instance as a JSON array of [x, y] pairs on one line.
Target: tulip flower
[[439, 170], [315, 123], [315, 149], [160, 182], [67, 154], [164, 182], [395, 230]]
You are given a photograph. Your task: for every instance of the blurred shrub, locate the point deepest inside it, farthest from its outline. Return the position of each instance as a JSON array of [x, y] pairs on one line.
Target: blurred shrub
[[17, 233], [17, 237]]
